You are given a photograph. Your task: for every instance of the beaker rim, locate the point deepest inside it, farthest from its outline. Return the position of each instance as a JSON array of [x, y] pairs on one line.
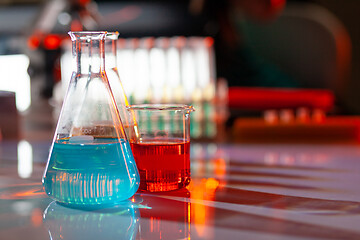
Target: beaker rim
[[162, 107]]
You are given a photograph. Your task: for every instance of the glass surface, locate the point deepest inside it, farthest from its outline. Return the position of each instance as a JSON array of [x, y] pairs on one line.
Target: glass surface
[[237, 191], [115, 80], [90, 162], [161, 146]]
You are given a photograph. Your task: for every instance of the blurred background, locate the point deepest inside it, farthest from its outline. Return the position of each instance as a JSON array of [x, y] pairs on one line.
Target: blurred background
[[273, 60]]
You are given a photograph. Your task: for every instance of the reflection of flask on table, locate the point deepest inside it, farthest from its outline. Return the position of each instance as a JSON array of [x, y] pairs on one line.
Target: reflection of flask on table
[[120, 222], [90, 163]]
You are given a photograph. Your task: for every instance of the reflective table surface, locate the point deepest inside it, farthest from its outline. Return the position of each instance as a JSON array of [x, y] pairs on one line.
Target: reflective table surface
[[243, 191]]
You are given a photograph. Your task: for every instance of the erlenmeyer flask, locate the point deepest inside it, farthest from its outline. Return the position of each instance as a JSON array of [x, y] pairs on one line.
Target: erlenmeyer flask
[[90, 162], [115, 82]]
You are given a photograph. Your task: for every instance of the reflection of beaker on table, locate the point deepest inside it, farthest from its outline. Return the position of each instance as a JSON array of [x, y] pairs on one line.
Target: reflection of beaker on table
[[165, 218], [120, 222]]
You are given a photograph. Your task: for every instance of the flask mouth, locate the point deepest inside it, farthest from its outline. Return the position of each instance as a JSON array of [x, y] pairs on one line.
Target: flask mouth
[[88, 35]]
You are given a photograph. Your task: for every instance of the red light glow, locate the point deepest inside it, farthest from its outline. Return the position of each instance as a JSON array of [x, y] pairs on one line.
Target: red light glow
[[33, 42], [52, 42]]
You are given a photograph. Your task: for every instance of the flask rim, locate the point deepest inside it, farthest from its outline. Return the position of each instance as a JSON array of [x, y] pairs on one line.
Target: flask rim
[[112, 35], [87, 35]]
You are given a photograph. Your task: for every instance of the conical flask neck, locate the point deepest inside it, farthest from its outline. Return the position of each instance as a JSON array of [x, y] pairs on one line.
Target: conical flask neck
[[111, 49], [89, 51]]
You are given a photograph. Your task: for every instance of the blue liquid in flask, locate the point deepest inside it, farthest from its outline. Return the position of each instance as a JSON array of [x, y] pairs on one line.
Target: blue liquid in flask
[[99, 173]]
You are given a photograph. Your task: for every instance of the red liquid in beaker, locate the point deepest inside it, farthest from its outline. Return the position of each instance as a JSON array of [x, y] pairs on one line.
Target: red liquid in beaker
[[163, 166]]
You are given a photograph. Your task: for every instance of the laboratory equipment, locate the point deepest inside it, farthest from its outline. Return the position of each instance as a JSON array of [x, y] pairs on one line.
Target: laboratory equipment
[[90, 163], [115, 81], [161, 145]]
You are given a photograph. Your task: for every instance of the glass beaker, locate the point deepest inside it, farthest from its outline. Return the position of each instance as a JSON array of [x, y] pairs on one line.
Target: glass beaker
[[90, 162], [115, 81], [161, 145]]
